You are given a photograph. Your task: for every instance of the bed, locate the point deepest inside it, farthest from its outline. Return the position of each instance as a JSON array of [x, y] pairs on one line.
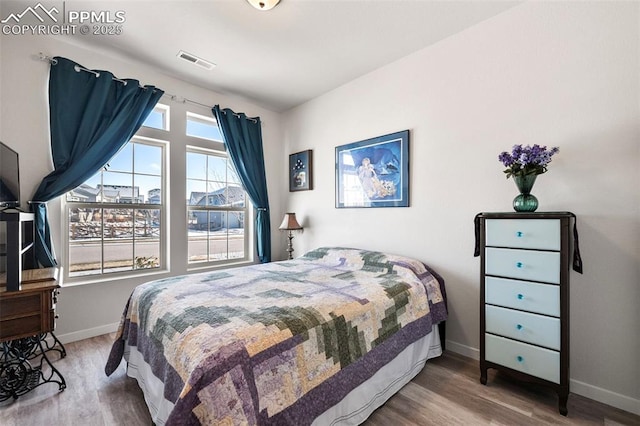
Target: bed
[[322, 339]]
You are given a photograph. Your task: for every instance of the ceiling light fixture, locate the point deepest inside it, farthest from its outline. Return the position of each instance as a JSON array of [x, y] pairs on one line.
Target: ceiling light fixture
[[264, 4]]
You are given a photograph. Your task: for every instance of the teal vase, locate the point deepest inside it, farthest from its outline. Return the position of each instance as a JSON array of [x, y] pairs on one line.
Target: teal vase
[[525, 202]]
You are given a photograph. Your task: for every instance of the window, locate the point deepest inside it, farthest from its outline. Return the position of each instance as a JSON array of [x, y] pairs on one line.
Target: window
[[117, 222], [115, 218], [158, 118], [216, 208], [203, 127]]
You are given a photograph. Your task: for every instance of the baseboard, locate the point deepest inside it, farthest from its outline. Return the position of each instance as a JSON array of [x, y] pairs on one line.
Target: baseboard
[[604, 396], [88, 333], [463, 350]]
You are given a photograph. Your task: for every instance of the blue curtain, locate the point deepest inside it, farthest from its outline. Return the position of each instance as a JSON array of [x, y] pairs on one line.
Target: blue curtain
[[243, 139], [91, 117]]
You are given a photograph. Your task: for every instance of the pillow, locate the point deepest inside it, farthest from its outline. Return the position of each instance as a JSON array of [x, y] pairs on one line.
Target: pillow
[[374, 261]]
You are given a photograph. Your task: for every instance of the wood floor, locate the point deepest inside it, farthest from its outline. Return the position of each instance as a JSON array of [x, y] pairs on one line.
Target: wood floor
[[446, 392]]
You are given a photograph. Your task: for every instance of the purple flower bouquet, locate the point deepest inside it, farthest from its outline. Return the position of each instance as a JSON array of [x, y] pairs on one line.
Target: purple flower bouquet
[[525, 164], [528, 160]]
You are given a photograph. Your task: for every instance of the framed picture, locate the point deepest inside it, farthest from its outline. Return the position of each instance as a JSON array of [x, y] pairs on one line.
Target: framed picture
[[373, 172], [300, 171]]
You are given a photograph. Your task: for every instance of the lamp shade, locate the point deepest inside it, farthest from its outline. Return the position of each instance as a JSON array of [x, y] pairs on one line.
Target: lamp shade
[[289, 222], [263, 4]]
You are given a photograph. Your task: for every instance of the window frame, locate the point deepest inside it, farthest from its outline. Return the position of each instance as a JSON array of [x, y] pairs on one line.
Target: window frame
[[201, 119], [247, 210], [174, 238], [163, 206], [165, 112]]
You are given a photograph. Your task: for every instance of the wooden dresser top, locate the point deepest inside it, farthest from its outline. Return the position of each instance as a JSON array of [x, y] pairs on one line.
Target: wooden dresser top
[[33, 280]]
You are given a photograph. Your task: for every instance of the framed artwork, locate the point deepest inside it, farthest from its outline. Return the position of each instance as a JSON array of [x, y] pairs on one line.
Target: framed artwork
[[373, 172], [300, 171]]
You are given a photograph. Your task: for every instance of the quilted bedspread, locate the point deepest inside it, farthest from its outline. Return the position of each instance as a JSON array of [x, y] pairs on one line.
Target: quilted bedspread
[[277, 343]]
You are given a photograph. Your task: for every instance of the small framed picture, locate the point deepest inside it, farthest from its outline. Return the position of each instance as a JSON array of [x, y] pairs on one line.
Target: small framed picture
[[301, 171], [373, 172]]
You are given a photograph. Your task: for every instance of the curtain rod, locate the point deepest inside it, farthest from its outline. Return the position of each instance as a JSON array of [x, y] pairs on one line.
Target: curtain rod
[[174, 98], [179, 99], [189, 101], [78, 68]]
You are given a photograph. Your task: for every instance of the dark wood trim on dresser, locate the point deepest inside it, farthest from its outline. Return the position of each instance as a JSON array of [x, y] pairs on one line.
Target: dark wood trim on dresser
[[483, 364], [566, 219]]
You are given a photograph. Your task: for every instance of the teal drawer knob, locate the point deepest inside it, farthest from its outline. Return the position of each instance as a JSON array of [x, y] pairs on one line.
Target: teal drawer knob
[[519, 265], [519, 234], [520, 359], [520, 296], [519, 326]]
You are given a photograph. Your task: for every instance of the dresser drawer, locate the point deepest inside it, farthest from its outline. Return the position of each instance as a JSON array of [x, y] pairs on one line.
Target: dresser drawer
[[532, 328], [20, 305], [539, 362], [523, 264], [20, 327], [522, 295], [541, 234]]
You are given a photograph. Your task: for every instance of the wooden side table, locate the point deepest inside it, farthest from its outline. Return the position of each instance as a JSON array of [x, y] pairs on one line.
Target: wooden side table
[[27, 322]]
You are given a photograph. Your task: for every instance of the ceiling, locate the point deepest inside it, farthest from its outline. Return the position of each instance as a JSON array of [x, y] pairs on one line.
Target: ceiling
[[286, 56]]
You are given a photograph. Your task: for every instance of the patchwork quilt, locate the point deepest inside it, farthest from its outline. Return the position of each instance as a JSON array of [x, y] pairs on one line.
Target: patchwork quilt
[[281, 342]]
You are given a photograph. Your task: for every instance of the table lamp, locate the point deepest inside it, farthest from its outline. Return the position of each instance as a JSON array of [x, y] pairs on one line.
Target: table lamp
[[290, 224]]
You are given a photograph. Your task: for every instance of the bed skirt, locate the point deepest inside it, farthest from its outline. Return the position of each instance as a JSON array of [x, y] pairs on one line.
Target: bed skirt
[[352, 410]]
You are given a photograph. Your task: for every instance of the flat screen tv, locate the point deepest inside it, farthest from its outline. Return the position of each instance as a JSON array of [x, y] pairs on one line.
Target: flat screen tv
[[9, 177]]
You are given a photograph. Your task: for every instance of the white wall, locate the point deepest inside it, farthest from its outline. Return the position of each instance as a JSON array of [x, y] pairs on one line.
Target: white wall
[[557, 74], [89, 310]]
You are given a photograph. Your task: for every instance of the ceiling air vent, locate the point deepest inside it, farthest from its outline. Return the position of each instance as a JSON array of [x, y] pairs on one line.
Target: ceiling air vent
[[195, 60]]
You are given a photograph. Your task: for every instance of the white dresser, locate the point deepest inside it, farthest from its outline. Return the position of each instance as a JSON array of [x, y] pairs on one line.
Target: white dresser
[[524, 320]]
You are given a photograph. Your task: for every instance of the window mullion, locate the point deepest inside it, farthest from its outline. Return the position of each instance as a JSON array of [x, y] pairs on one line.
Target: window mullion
[[102, 240]]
